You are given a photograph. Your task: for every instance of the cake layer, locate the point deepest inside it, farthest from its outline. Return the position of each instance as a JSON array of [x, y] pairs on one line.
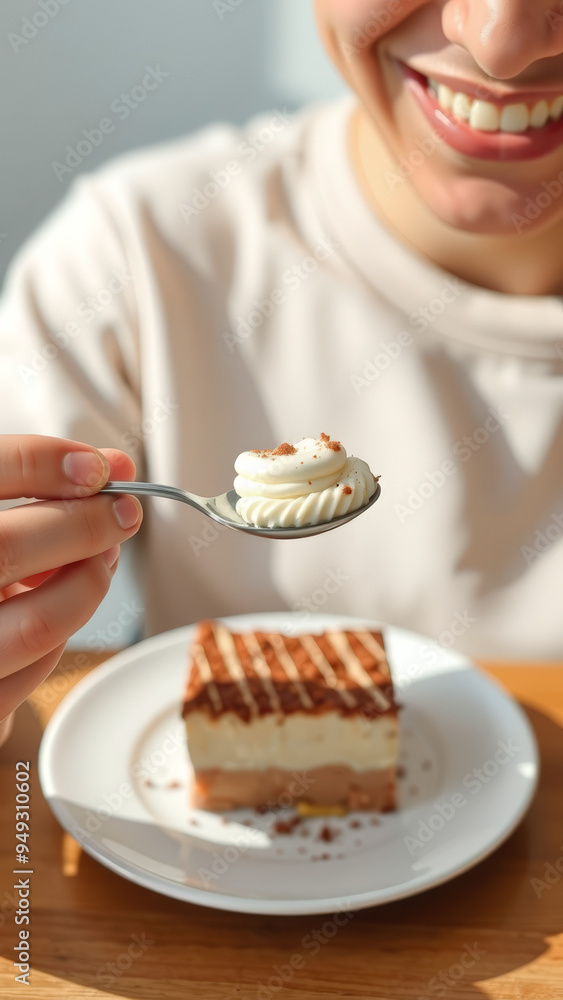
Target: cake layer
[[257, 673], [300, 740], [333, 785]]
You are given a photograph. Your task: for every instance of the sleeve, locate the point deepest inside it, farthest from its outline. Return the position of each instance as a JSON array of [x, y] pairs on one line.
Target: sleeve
[[69, 340]]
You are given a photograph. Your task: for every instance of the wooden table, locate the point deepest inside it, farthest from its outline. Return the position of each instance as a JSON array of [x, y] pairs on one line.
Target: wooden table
[[492, 932]]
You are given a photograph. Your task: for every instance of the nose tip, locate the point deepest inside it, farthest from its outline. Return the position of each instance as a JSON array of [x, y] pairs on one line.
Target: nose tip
[[504, 37]]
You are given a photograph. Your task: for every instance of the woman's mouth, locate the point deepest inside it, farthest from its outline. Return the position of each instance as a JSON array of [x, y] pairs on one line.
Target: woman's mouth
[[503, 129]]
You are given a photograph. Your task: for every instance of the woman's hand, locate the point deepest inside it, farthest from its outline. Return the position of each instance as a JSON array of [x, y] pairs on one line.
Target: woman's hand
[[58, 556]]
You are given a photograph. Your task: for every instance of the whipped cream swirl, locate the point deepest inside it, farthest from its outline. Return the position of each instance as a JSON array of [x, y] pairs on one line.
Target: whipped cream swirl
[[305, 483]]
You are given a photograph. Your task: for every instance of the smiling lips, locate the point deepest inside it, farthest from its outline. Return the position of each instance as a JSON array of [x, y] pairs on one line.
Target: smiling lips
[[488, 117], [486, 129]]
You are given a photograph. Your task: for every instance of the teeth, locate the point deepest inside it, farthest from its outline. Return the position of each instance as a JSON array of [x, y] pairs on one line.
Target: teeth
[[461, 106], [484, 116], [488, 117], [445, 96], [539, 114], [514, 118]]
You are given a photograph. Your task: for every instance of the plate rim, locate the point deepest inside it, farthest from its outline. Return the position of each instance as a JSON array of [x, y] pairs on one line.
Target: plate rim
[[250, 904]]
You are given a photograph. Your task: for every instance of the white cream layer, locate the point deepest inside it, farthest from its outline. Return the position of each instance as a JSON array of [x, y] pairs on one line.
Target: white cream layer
[[298, 741], [269, 475], [315, 485]]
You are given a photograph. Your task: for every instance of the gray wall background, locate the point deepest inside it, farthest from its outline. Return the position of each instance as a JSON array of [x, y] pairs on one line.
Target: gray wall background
[[64, 62]]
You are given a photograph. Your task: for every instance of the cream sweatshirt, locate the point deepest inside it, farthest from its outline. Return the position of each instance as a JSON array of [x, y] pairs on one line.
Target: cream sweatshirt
[[233, 290]]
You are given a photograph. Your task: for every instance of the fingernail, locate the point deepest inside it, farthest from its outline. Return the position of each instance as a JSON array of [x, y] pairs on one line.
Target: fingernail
[[84, 468], [112, 555], [126, 512]]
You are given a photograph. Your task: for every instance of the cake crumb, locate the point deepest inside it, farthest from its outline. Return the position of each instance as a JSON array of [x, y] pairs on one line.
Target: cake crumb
[[333, 445], [285, 449], [347, 490], [282, 449], [328, 834], [287, 826]]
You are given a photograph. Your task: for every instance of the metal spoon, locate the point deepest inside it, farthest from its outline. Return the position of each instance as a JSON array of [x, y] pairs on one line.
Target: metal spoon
[[223, 509]]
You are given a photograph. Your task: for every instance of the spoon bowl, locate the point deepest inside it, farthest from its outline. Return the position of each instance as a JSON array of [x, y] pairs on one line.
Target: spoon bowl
[[223, 509]]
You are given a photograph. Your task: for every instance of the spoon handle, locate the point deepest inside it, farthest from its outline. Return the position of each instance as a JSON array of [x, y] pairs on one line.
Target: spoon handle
[[151, 490]]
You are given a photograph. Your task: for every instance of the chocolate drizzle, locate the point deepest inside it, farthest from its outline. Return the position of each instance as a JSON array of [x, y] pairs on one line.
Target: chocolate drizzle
[[257, 673]]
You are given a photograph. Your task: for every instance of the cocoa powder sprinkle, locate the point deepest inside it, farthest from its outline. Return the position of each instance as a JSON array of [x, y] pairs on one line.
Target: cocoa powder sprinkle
[[282, 449]]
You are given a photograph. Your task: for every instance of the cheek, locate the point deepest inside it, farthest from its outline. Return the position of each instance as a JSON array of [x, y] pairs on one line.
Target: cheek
[[352, 28], [349, 17]]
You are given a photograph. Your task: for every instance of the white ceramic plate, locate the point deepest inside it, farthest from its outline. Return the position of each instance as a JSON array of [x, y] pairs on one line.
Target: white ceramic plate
[[113, 765]]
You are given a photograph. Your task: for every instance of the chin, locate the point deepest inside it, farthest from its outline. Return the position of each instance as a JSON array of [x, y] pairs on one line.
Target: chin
[[474, 204]]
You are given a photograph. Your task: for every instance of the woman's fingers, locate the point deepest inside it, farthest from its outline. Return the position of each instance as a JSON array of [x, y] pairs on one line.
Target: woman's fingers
[[38, 537], [111, 554], [15, 688], [36, 622], [46, 467], [121, 465], [41, 605]]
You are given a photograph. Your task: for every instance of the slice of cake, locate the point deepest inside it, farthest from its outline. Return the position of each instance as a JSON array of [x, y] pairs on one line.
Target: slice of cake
[[274, 720]]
